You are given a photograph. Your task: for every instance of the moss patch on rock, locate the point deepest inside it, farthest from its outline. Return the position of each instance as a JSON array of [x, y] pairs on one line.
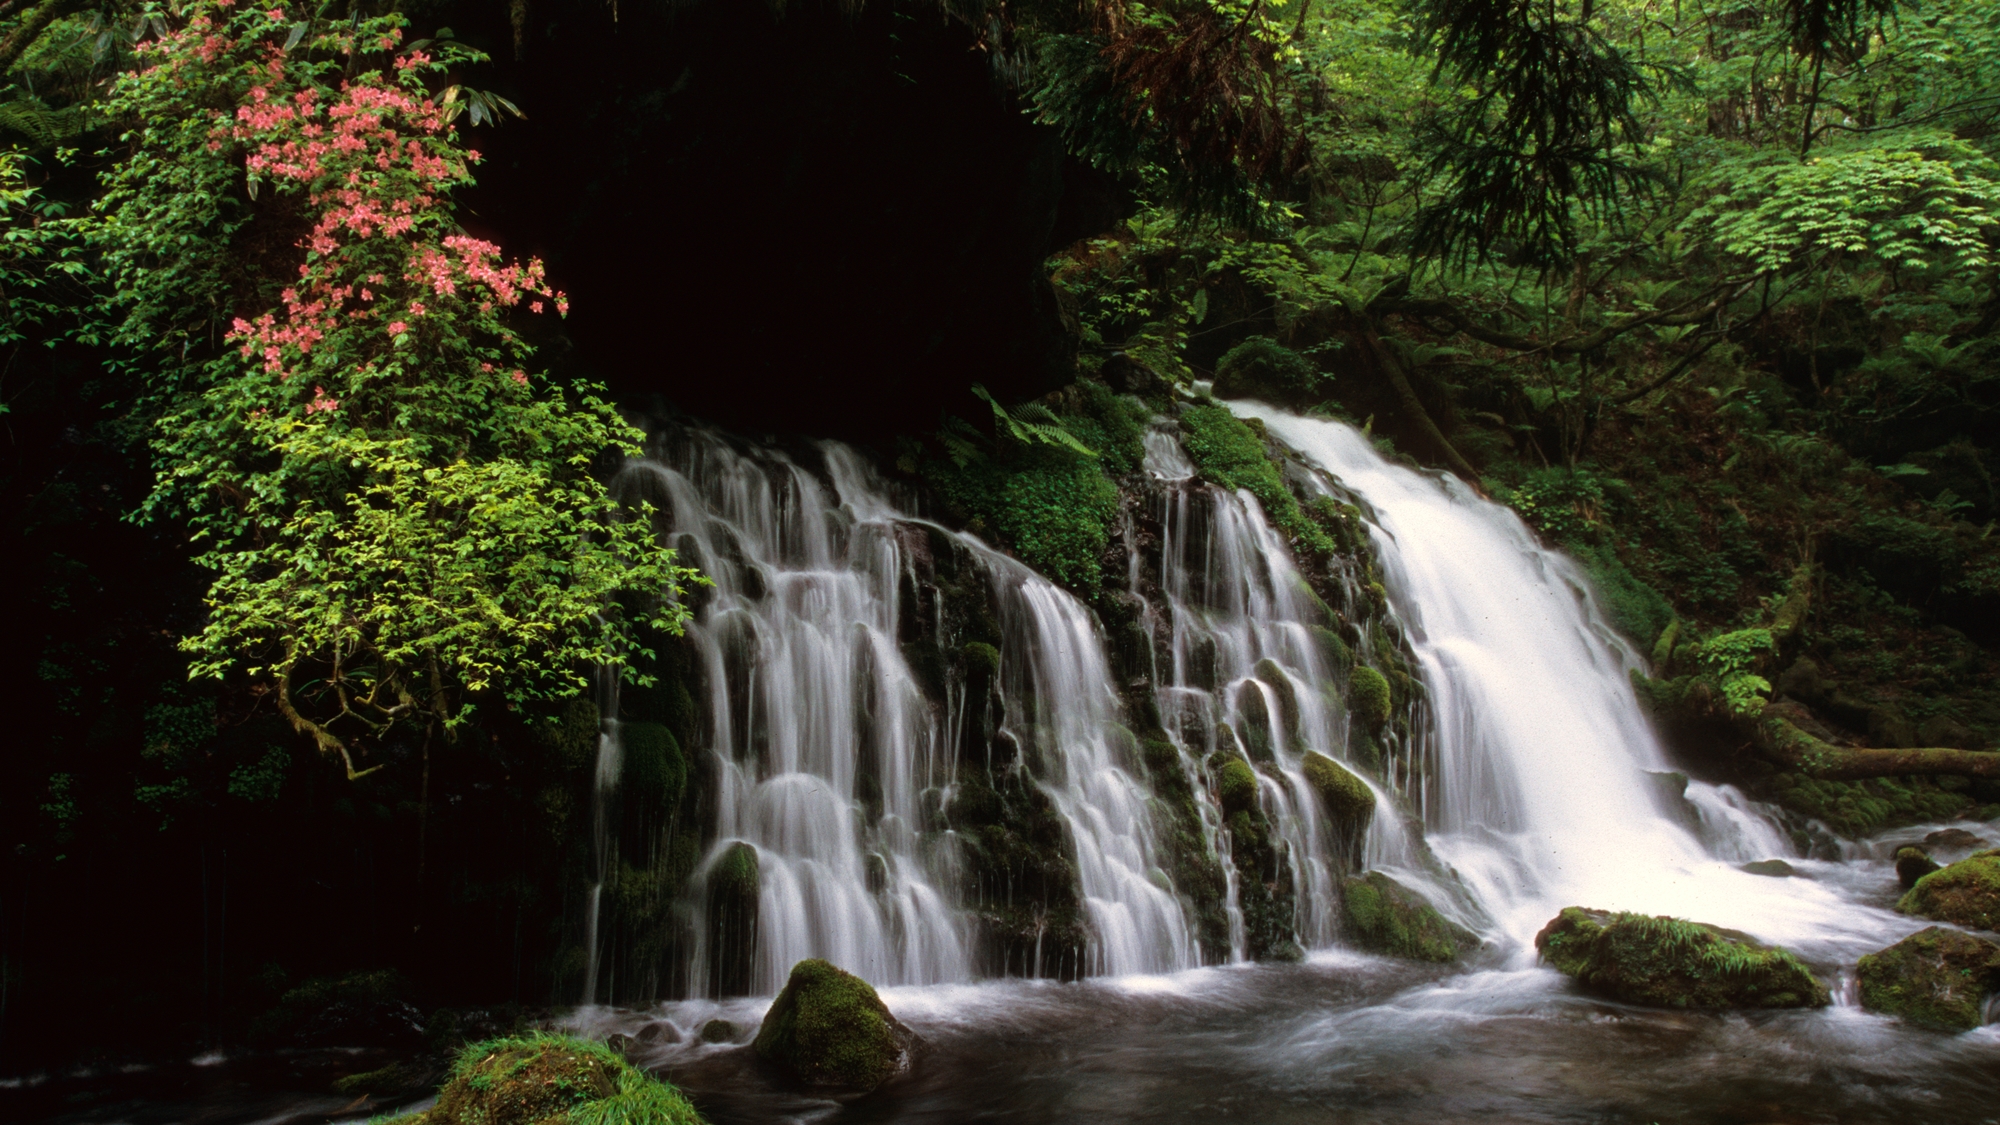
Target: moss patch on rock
[[552, 1080], [1368, 697], [1967, 893], [829, 1029], [1939, 978], [1383, 916], [1674, 963], [1236, 787]]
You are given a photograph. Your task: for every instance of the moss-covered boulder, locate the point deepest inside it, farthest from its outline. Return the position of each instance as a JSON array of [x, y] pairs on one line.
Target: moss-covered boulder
[[1236, 787], [552, 1080], [1673, 963], [1939, 978], [828, 1029], [1348, 802], [1967, 893], [1383, 916], [1368, 697], [1912, 864]]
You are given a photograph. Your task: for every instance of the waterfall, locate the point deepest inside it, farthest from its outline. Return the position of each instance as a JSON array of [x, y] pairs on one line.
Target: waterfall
[[833, 772], [1539, 796]]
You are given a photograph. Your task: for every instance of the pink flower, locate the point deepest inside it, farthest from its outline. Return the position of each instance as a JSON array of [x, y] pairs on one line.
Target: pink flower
[[397, 328], [534, 306], [416, 308], [321, 403], [521, 377]]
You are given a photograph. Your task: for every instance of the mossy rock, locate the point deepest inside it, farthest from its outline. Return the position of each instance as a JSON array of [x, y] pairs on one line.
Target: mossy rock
[[1254, 720], [1281, 685], [828, 1029], [552, 1080], [1368, 697], [1912, 864], [655, 774], [1236, 787], [1937, 977], [1967, 893], [1383, 916], [1348, 801], [1674, 963]]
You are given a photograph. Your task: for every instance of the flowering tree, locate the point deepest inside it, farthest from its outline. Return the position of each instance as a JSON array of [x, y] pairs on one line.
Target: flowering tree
[[399, 511]]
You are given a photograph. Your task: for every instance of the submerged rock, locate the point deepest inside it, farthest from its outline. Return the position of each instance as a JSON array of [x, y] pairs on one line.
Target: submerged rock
[[553, 1080], [659, 1031], [1967, 893], [829, 1029], [1912, 864], [1383, 916], [1937, 977], [1673, 963], [718, 1031], [1775, 868], [1953, 838]]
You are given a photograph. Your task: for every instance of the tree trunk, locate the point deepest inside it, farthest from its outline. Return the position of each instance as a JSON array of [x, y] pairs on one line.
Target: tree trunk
[[1778, 736], [1406, 396]]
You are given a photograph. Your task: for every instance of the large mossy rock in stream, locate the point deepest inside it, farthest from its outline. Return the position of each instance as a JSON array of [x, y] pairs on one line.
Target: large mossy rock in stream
[[1383, 916], [552, 1080], [1937, 977], [1967, 893], [1673, 963], [829, 1030], [1349, 803]]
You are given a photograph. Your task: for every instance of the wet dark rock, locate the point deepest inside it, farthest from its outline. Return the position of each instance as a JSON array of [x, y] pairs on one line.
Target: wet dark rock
[[718, 1031], [1776, 868], [1953, 838], [1912, 864], [659, 1031], [1383, 916], [1937, 977], [377, 1023], [1943, 730], [1674, 963], [1967, 893], [828, 1029], [1670, 796]]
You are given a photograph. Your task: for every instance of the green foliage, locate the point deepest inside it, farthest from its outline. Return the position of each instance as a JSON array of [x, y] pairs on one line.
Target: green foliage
[[1732, 658], [401, 519], [1261, 364], [1930, 206], [1636, 608], [1563, 504]]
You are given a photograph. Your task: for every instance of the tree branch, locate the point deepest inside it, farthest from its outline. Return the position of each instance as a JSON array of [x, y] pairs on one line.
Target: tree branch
[[1781, 738], [33, 23]]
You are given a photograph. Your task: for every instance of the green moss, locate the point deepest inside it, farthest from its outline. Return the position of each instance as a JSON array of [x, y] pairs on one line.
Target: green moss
[[1674, 963], [1636, 609], [1332, 649], [1347, 799], [1857, 808], [1368, 697], [553, 1080], [736, 874], [1913, 864], [1236, 787], [1967, 893], [1937, 977], [981, 659], [1260, 367], [1383, 916], [828, 1028], [1230, 453], [570, 734], [655, 772]]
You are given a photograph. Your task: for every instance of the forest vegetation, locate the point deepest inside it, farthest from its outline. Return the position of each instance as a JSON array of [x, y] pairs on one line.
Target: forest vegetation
[[318, 578]]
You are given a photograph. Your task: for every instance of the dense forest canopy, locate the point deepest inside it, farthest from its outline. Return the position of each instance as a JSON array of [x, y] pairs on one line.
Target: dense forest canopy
[[308, 476]]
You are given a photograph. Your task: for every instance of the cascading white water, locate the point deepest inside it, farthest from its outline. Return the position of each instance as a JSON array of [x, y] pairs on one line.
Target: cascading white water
[[826, 750], [1238, 619], [1540, 796]]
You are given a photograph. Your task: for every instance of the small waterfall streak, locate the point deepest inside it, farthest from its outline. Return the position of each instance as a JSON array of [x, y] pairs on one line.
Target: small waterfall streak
[[604, 788]]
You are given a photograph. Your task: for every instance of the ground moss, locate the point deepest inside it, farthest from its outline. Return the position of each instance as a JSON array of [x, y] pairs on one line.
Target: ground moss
[[1674, 963], [1858, 808], [1231, 454], [829, 1029], [552, 1080], [655, 772], [1383, 916], [1966, 893], [1368, 697], [1937, 977]]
